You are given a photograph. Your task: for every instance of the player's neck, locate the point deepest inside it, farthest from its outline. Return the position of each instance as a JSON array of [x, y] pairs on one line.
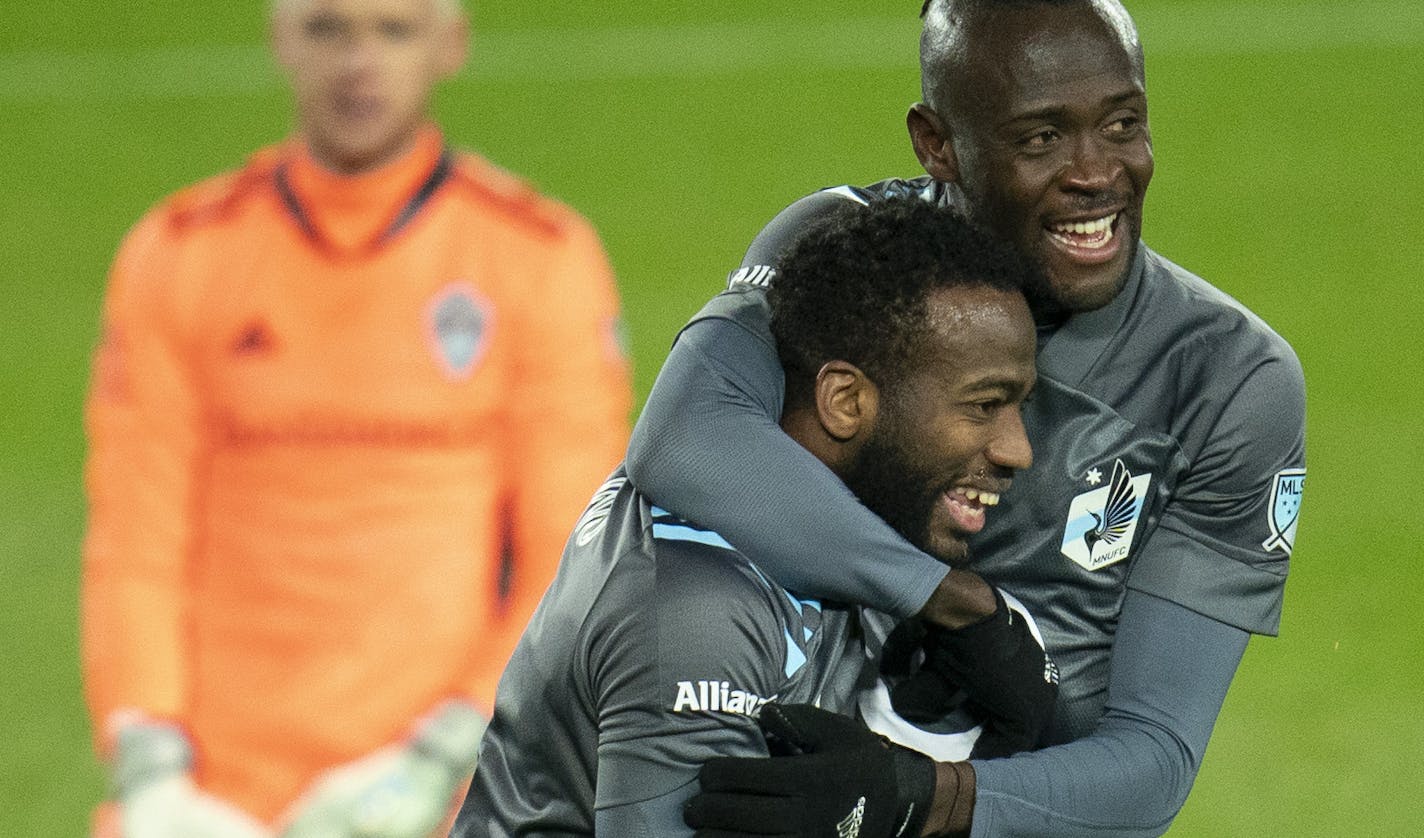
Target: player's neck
[[351, 210]]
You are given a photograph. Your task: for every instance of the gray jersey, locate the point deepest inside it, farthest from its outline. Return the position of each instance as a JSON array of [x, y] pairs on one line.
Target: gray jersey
[[1168, 438], [1153, 530], [652, 650]]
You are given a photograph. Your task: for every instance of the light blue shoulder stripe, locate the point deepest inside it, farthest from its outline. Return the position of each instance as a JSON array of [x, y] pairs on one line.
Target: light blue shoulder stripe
[[679, 530], [795, 658], [676, 532]]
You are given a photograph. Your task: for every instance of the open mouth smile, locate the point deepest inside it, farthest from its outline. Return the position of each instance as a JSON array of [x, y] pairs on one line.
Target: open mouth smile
[[1090, 241], [1092, 235], [966, 506]]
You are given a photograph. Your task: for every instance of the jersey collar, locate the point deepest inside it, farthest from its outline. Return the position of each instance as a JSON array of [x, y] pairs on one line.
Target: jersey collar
[[360, 213], [1069, 353]]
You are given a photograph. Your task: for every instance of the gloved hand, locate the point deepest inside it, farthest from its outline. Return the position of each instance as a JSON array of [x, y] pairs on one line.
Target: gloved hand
[[399, 791], [1007, 677], [156, 794], [828, 775], [918, 694]]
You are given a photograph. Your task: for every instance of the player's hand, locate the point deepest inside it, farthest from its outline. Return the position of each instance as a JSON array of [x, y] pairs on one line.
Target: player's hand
[[400, 791], [828, 775], [173, 807], [157, 797], [1005, 674]]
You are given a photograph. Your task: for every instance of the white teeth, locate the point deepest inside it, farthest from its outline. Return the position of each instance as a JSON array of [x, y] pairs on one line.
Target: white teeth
[[1100, 227], [984, 498]]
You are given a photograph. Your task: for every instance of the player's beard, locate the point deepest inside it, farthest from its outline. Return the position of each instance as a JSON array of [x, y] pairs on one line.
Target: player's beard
[[889, 482]]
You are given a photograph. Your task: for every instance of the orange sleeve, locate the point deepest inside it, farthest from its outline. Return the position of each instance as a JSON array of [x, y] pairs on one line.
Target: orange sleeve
[[569, 422], [144, 440]]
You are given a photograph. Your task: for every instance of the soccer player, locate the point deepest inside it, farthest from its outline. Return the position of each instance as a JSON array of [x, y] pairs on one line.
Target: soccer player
[[1150, 539], [348, 402], [908, 346]]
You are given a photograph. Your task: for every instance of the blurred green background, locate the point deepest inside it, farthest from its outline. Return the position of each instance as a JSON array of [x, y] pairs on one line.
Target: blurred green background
[[1286, 174]]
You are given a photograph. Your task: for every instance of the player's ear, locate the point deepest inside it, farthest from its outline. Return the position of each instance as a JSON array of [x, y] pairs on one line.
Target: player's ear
[[933, 143], [454, 44], [281, 32], [846, 400]]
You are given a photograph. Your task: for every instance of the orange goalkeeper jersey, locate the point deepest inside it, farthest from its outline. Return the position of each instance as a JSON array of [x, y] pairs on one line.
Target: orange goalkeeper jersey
[[340, 429]]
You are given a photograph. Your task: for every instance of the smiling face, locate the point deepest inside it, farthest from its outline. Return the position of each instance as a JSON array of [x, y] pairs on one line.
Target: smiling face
[[362, 72], [949, 433], [1039, 112]]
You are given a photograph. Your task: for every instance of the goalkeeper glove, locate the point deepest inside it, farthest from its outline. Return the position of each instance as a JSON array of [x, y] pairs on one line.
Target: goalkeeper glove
[[828, 775], [157, 796], [400, 791]]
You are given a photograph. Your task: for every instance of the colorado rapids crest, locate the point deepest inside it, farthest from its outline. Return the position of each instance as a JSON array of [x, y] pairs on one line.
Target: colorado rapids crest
[[459, 326], [1102, 522]]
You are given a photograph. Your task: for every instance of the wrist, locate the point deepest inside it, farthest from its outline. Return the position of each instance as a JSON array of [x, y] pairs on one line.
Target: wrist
[[951, 812], [961, 599], [916, 779], [146, 752], [451, 736]]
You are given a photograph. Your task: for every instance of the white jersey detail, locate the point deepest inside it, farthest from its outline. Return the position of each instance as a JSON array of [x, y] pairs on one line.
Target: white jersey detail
[[847, 192], [716, 697]]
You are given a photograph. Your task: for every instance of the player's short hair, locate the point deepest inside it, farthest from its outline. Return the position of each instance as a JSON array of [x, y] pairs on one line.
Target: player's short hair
[[856, 287], [446, 8], [925, 9], [942, 38]]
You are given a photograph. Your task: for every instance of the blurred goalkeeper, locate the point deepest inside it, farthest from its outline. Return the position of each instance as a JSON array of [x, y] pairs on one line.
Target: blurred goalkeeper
[[348, 401]]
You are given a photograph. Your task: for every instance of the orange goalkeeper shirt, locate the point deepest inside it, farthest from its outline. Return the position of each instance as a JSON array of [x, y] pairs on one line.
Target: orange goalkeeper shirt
[[340, 429]]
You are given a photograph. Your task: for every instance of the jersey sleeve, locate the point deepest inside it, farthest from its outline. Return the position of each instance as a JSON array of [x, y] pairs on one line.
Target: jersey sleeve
[[709, 447], [1224, 542], [659, 817], [146, 440], [683, 682], [1171, 668], [567, 426]]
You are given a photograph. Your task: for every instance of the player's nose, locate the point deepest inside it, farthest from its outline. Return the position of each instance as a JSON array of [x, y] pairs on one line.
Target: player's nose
[[1009, 446]]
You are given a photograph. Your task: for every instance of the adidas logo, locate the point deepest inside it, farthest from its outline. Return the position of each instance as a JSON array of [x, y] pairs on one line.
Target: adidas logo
[[256, 339], [850, 825]]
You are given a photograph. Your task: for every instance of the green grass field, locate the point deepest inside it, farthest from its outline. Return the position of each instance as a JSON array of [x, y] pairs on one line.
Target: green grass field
[[1284, 175]]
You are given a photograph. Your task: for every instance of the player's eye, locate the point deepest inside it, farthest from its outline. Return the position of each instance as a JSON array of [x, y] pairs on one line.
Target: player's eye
[[397, 30], [1124, 127], [987, 407], [324, 27], [1041, 140]]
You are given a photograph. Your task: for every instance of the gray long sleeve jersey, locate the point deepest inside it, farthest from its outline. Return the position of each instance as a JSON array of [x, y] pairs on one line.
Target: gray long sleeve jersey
[[1150, 538], [652, 651]]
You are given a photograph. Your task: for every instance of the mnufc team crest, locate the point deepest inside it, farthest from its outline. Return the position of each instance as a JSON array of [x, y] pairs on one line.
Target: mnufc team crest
[[1102, 522]]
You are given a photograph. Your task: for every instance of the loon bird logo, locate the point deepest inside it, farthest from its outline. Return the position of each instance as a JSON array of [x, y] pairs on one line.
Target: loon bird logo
[[1102, 522], [1119, 512]]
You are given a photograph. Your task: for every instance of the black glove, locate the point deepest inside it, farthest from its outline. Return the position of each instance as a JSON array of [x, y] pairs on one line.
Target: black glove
[[1009, 680], [828, 776], [918, 694]]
